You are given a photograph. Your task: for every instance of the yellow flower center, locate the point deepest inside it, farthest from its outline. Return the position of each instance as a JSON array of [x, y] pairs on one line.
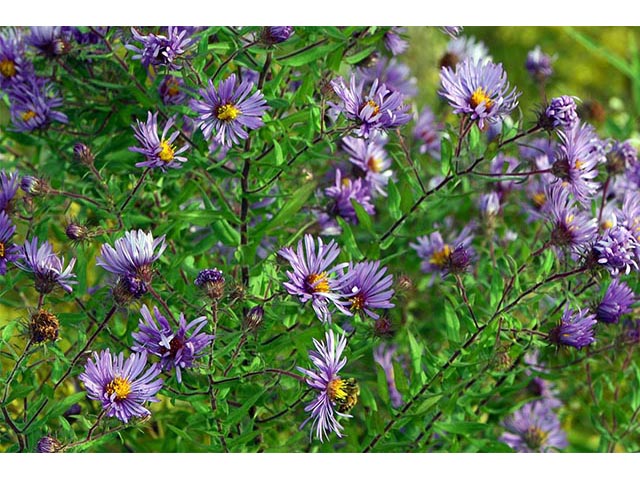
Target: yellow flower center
[[7, 68], [535, 437], [539, 199], [579, 164], [372, 104], [336, 389], [28, 115], [318, 282], [375, 164], [357, 302], [166, 152], [120, 386], [481, 96], [607, 224], [173, 87], [227, 112], [1, 250], [441, 257]]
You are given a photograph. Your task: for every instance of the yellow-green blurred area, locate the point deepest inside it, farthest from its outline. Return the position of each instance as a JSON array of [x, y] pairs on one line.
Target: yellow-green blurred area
[[591, 63]]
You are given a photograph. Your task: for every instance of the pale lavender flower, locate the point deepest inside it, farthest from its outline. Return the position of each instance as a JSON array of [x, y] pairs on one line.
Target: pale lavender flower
[[313, 278], [616, 302], [50, 41], [343, 192], [336, 396], [9, 252], [9, 184], [479, 90], [159, 152], [171, 90], [570, 227], [383, 356], [161, 50], [371, 159], [122, 386], [366, 287], [464, 48], [224, 113], [394, 41], [560, 113], [33, 104], [46, 266], [538, 64], [534, 428], [453, 32], [575, 329], [617, 250], [396, 76], [176, 349]]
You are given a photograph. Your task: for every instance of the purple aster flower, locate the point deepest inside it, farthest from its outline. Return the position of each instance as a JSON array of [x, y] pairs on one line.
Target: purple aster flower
[[380, 109], [336, 396], [575, 329], [630, 212], [621, 157], [479, 90], [438, 256], [560, 113], [33, 104], [428, 133], [534, 428], [453, 32], [343, 192], [396, 76], [371, 159], [48, 445], [570, 227], [50, 41], [121, 386], [394, 42], [176, 349], [223, 112], [577, 158], [14, 67], [383, 356], [46, 266], [616, 302], [161, 50], [463, 48], [8, 251], [9, 184], [538, 64], [617, 250], [212, 281], [272, 35], [313, 278], [489, 205], [171, 90], [160, 152], [132, 259], [366, 287]]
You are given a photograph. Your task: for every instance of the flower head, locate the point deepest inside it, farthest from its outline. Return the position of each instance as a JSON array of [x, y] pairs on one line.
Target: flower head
[[122, 386], [34, 104], [48, 445], [575, 329], [372, 161], [618, 250], [538, 64], [14, 67], [49, 41], [161, 50], [160, 152], [46, 266], [336, 396], [479, 90], [9, 184], [313, 278], [396, 76], [176, 349], [171, 90], [534, 428], [212, 281], [616, 302], [394, 41], [621, 157], [9, 252], [570, 227], [463, 48], [272, 35], [560, 113], [453, 32], [344, 191], [43, 327], [366, 287], [224, 113]]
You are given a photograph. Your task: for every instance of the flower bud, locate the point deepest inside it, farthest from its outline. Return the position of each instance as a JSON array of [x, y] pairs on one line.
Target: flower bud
[[43, 327], [48, 445], [211, 281], [83, 154]]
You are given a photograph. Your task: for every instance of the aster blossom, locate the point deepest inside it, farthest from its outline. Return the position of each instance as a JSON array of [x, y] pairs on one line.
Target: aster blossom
[[394, 42], [46, 266], [336, 396], [366, 287], [122, 386], [161, 50], [171, 90], [313, 278], [570, 227], [34, 105], [371, 159], [159, 151], [49, 41], [617, 301], [224, 113], [9, 184], [575, 329], [395, 75], [463, 48], [617, 250], [478, 90], [8, 251], [343, 191], [272, 35], [14, 67], [378, 110], [534, 428], [538, 64], [176, 349]]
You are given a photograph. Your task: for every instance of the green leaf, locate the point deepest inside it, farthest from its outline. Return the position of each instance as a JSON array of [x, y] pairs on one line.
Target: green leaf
[[7, 331], [364, 218], [461, 428], [393, 200], [291, 207], [358, 57], [446, 154], [237, 414], [452, 323], [306, 55]]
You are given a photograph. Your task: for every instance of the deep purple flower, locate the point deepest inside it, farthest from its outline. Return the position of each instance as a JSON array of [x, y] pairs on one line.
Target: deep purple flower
[[396, 76], [212, 281], [560, 113], [479, 90], [313, 278], [428, 133], [160, 152], [8, 251], [132, 258], [121, 386], [366, 287], [177, 349], [223, 112], [34, 186], [50, 41], [336, 396], [570, 227], [383, 356], [171, 90], [575, 329], [371, 158], [273, 35], [14, 67], [161, 50], [380, 109], [33, 104], [453, 32], [48, 445], [9, 184], [534, 428], [538, 64], [394, 42], [576, 161], [46, 266], [618, 250], [343, 192], [616, 302]]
